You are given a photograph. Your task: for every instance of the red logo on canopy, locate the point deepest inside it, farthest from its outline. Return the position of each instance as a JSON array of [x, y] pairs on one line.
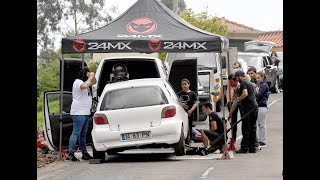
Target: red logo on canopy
[[154, 45], [79, 45], [142, 26]]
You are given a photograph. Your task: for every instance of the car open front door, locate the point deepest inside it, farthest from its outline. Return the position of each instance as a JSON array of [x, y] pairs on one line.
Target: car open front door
[[52, 116], [187, 68], [51, 106]]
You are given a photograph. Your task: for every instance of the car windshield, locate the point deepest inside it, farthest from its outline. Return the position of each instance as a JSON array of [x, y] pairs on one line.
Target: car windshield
[[251, 60], [204, 59], [133, 97]]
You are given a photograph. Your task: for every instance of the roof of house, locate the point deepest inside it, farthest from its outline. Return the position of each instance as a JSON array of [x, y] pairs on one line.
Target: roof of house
[[273, 36], [233, 26]]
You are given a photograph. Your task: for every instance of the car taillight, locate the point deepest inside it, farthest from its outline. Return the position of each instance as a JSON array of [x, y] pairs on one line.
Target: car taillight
[[168, 111], [100, 119]]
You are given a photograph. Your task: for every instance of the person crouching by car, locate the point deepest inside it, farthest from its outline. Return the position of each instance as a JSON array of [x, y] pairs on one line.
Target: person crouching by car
[[215, 128], [80, 111]]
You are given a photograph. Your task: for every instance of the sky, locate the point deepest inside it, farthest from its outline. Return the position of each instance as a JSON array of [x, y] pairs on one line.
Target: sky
[[264, 15]]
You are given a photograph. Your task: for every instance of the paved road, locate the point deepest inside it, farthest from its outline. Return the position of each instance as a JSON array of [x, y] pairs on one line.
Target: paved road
[[263, 165]]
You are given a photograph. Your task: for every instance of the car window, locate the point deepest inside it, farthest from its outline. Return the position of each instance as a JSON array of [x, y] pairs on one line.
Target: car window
[[133, 97], [53, 100]]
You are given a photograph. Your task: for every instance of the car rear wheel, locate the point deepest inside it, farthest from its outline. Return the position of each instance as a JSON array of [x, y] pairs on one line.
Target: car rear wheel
[[98, 154], [179, 148]]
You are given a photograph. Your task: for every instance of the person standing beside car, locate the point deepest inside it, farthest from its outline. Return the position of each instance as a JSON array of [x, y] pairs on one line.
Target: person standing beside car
[[189, 102], [275, 59], [80, 111], [249, 109], [262, 99]]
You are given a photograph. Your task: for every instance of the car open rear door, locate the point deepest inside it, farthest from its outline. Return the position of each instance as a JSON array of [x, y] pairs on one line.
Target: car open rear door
[[187, 68]]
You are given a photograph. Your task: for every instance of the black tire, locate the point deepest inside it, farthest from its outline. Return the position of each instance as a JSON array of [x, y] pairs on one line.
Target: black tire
[[98, 154], [179, 147], [188, 139]]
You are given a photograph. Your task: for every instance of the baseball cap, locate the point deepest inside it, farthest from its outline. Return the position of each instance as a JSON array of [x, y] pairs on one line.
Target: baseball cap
[[239, 73]]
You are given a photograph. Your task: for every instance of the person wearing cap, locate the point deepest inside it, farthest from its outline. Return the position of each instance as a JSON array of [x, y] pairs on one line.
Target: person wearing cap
[[247, 103], [232, 87]]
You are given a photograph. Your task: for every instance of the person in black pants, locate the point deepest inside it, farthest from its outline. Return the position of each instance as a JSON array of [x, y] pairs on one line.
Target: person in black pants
[[233, 87], [189, 102], [247, 105]]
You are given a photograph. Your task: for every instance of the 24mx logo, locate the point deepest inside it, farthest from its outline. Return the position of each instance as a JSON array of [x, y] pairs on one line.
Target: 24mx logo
[[109, 45], [184, 45]]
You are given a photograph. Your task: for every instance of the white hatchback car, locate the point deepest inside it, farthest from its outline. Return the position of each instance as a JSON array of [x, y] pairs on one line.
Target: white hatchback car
[[138, 113]]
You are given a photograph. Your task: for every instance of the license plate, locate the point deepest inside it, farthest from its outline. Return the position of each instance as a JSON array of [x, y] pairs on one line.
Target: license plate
[[136, 135]]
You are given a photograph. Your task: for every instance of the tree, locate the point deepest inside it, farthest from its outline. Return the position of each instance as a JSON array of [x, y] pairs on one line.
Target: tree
[[47, 55], [48, 18], [170, 5], [78, 15], [204, 21]]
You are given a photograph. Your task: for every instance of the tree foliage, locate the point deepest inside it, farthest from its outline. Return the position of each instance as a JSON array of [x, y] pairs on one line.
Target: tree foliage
[[48, 76], [204, 21], [47, 55], [77, 15], [48, 18]]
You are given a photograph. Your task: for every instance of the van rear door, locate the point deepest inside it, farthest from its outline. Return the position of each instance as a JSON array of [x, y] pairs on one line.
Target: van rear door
[[187, 68]]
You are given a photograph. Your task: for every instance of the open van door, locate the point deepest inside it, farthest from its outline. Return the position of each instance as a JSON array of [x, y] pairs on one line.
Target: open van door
[[51, 108], [188, 68]]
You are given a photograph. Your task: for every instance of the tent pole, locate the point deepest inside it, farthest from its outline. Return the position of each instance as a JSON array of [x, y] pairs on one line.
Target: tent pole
[[222, 103], [82, 57], [61, 104]]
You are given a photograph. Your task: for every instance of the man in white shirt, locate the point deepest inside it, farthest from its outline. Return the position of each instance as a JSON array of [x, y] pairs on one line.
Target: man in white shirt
[[80, 111]]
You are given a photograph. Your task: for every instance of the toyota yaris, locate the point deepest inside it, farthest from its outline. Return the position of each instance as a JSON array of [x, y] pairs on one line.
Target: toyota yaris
[[138, 113]]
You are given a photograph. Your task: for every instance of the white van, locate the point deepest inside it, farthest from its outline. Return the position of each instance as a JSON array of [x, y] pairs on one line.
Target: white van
[[257, 55]]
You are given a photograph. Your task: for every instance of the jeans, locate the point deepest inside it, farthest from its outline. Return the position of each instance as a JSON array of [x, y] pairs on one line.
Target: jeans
[[80, 128], [261, 124]]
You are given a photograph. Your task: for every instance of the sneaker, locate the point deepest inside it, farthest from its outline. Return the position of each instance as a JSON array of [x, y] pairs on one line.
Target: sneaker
[[262, 144], [72, 157], [208, 147], [86, 156], [242, 151]]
